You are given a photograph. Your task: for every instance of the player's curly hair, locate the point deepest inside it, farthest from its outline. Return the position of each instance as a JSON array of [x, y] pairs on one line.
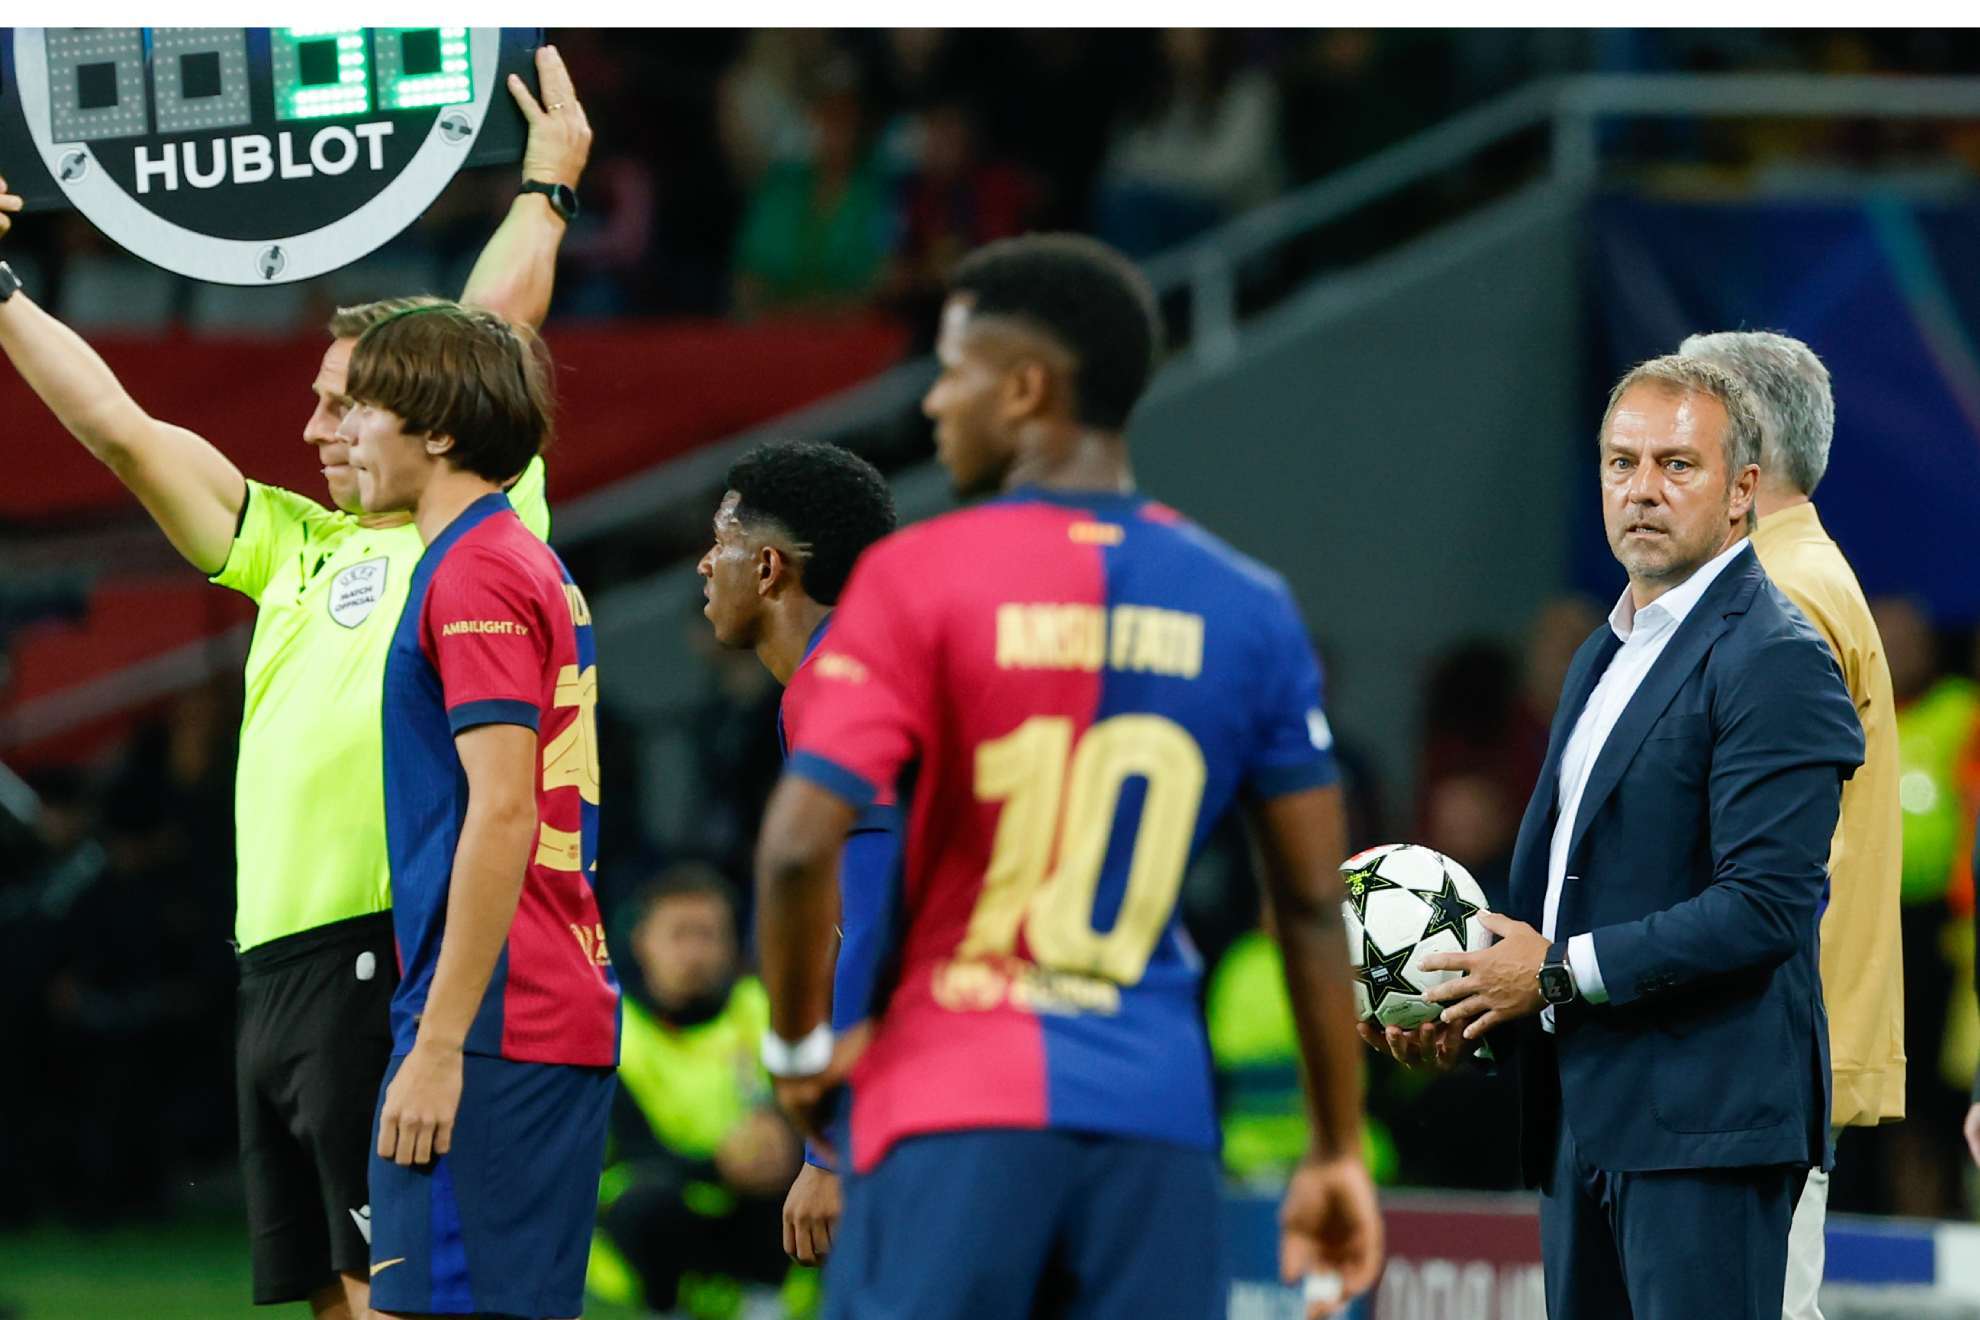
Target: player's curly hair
[[1088, 297], [464, 372], [831, 502]]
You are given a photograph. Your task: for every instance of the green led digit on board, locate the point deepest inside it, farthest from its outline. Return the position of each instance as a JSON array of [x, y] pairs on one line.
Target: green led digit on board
[[320, 72], [422, 67]]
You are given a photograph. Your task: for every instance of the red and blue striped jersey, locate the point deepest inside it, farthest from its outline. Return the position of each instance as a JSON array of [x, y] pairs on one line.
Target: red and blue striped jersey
[[495, 632], [1070, 690]]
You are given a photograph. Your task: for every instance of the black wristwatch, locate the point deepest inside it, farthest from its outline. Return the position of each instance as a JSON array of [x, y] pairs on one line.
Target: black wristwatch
[[1556, 981], [563, 198], [10, 283]]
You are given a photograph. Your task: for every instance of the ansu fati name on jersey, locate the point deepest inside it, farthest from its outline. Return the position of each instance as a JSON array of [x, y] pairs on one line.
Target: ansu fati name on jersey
[[1132, 639]]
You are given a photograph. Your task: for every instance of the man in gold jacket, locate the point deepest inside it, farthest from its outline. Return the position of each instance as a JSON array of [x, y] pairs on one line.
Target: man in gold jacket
[[1862, 966]]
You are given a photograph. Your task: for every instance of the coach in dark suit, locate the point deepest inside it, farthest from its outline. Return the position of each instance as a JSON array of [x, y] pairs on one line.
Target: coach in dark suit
[[1654, 989]]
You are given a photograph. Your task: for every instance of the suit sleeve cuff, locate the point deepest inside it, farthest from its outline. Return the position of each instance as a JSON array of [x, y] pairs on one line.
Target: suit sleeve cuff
[[1586, 969]]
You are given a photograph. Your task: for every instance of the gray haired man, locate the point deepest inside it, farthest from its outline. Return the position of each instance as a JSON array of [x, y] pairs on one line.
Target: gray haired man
[[1861, 963]]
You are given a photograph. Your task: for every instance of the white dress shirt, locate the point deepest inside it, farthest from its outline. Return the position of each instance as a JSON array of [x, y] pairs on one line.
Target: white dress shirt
[[1644, 633]]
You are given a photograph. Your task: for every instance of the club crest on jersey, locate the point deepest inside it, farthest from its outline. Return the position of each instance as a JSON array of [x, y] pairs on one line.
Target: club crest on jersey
[[355, 592]]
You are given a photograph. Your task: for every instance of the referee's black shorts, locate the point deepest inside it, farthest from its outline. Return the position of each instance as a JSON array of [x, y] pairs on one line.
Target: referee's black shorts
[[313, 1041]]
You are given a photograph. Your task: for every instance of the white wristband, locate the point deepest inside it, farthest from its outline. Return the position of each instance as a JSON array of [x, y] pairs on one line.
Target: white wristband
[[804, 1058]]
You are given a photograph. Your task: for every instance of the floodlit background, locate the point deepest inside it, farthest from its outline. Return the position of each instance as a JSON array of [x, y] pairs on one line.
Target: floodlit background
[[1400, 270]]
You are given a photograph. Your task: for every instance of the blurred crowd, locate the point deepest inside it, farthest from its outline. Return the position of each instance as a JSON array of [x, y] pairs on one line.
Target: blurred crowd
[[116, 904], [122, 984], [1484, 712], [816, 172]]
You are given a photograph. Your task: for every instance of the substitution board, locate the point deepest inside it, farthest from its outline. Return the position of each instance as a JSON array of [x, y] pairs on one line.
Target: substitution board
[[254, 155]]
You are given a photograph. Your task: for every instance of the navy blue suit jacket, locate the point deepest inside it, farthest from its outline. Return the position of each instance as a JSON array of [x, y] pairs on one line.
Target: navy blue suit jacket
[[1699, 859]]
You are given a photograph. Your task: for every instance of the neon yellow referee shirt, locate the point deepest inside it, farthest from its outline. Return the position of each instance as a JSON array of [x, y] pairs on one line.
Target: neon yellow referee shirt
[[309, 793]]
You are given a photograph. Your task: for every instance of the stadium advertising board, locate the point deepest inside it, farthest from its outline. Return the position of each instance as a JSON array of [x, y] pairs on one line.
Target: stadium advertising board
[[254, 155], [1449, 1258], [1462, 1261]]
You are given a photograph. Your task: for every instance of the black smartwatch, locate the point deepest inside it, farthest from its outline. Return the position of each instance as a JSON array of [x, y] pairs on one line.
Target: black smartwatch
[[10, 283], [563, 198], [1556, 981]]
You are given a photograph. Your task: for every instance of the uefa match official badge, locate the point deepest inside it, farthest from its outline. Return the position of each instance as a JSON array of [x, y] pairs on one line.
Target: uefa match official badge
[[355, 592]]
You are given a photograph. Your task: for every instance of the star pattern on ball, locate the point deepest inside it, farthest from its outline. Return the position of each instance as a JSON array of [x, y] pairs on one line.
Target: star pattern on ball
[[1360, 884], [1448, 910], [1382, 973]]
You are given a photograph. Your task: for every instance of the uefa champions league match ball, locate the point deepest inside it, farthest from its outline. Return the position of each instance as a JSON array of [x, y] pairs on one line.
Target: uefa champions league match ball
[[1406, 902]]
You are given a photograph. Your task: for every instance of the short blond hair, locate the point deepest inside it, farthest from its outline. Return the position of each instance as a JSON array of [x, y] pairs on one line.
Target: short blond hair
[[1682, 374], [351, 322]]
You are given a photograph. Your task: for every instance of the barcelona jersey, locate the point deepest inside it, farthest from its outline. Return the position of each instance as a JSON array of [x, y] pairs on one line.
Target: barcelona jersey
[[495, 632], [1069, 690]]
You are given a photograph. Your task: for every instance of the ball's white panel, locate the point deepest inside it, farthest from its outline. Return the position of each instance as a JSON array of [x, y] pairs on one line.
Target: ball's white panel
[[1443, 941], [1413, 867], [1395, 919], [1369, 856], [1412, 889]]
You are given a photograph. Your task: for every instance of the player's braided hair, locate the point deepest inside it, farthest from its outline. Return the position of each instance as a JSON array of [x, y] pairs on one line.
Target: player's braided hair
[[1085, 295], [459, 371], [831, 502]]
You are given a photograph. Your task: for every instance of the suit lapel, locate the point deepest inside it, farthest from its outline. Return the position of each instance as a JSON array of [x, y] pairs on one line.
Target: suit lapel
[[1707, 621], [1529, 869]]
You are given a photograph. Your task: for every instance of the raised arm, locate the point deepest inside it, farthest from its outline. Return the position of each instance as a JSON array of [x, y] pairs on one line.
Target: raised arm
[[518, 269], [190, 488]]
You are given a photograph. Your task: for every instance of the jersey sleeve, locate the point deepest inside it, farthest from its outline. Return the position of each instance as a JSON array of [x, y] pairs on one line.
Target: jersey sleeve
[[529, 497], [872, 699], [1294, 744], [869, 890], [486, 633], [800, 695], [275, 524]]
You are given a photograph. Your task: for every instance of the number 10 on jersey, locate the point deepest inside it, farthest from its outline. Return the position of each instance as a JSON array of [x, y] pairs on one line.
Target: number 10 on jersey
[[1053, 789]]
